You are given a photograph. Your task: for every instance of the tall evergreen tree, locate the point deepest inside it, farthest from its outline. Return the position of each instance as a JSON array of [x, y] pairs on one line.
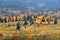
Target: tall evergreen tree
[[1, 20], [28, 17], [31, 21], [43, 20], [18, 26], [25, 23], [55, 20], [5, 19]]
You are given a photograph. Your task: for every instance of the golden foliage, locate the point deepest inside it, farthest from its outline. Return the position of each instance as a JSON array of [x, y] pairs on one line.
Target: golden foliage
[[11, 18], [3, 17], [49, 18], [38, 19], [20, 18], [33, 17], [14, 18]]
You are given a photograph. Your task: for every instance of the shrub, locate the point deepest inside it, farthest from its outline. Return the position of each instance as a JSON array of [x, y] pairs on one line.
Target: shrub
[[15, 36], [29, 37]]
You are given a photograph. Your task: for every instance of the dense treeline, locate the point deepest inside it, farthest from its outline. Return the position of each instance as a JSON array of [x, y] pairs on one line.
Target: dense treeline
[[30, 18], [11, 18]]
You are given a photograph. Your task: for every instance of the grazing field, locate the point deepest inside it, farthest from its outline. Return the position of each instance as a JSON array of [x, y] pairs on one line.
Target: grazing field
[[32, 32]]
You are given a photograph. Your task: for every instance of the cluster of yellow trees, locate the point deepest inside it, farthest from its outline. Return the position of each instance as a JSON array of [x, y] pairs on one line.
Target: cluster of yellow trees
[[12, 18], [44, 19], [38, 20]]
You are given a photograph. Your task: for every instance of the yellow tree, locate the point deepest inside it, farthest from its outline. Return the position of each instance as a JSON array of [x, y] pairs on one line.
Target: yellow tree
[[33, 17], [17, 18], [49, 18], [20, 18], [11, 18], [14, 18], [39, 19], [3, 17]]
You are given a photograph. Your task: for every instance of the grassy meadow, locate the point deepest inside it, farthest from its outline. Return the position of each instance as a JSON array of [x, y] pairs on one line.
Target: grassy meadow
[[32, 32]]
